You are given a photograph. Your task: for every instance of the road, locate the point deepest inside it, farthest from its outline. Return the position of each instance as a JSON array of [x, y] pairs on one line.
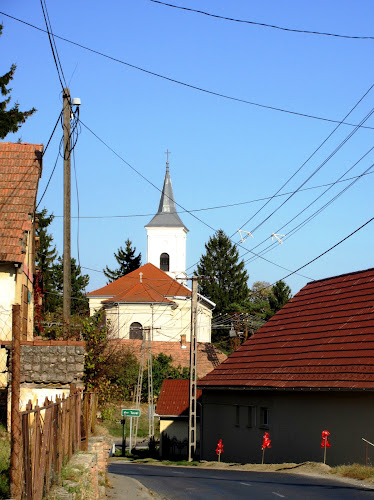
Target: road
[[202, 484]]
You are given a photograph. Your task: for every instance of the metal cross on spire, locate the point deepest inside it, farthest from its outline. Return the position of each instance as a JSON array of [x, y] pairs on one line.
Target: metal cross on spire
[[167, 152]]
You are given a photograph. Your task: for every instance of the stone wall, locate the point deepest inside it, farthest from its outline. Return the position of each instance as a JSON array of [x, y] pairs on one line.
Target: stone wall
[[52, 364]]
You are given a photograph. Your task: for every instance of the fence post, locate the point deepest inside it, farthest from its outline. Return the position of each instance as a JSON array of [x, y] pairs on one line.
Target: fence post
[[16, 432]]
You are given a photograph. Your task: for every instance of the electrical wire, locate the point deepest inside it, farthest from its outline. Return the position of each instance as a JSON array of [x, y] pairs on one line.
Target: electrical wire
[[53, 47], [230, 205], [188, 85], [322, 194], [309, 158], [263, 24], [329, 249], [76, 188], [49, 180], [50, 137]]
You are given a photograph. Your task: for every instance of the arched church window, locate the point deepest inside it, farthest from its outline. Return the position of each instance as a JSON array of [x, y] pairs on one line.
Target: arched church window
[[164, 262], [136, 331]]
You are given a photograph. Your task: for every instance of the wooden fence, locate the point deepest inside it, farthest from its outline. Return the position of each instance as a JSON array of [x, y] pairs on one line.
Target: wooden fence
[[51, 434]]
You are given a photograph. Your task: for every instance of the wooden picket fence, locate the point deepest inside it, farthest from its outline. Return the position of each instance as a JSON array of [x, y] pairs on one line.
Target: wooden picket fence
[[51, 434]]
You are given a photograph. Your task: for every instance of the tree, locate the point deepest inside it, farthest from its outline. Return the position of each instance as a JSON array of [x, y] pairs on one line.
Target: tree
[[127, 261], [45, 257], [79, 282], [226, 279], [279, 296], [11, 120], [162, 369]]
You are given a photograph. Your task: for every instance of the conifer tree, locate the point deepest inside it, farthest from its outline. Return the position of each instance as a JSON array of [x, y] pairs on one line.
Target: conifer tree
[[279, 296], [45, 257], [11, 120], [229, 278], [127, 261], [79, 282]]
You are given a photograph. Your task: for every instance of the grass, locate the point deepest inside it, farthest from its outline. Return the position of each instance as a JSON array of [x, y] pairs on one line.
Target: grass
[[4, 463], [354, 471]]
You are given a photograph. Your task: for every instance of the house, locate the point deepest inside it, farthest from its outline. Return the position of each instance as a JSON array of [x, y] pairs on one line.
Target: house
[[155, 297], [172, 409], [310, 368], [20, 170]]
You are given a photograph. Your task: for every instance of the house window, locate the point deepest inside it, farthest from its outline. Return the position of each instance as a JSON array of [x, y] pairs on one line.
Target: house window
[[136, 331], [250, 414], [264, 417], [164, 262], [237, 416]]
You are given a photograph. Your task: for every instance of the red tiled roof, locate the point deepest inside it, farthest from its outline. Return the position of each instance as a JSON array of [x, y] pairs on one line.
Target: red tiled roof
[[321, 339], [20, 169], [155, 286], [208, 356], [174, 398]]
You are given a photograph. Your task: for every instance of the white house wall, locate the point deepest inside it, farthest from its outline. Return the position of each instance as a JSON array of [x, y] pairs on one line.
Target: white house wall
[[7, 299]]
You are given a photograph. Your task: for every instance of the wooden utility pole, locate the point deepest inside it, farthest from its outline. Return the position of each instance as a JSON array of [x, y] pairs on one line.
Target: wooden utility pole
[[66, 308], [193, 374], [15, 417]]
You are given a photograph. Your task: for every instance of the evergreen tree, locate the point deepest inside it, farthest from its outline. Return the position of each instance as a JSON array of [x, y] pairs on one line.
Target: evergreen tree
[[79, 282], [279, 296], [45, 257], [127, 261], [11, 120], [229, 278]]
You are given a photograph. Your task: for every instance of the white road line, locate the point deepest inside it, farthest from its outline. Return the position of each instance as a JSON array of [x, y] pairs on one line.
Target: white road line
[[246, 484], [278, 494]]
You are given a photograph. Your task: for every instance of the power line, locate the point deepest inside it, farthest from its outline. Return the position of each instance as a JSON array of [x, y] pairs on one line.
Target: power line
[[184, 84], [53, 45], [264, 24], [229, 205], [328, 250], [316, 199], [310, 157], [49, 180]]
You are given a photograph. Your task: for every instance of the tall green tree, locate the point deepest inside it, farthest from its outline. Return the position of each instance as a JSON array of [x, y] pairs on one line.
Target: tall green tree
[[79, 282], [226, 280], [279, 296], [127, 261], [11, 119], [45, 258]]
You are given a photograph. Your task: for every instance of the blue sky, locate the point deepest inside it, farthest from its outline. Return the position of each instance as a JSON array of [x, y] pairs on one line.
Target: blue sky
[[222, 152]]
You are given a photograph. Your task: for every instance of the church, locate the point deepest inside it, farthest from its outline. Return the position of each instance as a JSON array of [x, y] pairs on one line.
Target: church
[[156, 298]]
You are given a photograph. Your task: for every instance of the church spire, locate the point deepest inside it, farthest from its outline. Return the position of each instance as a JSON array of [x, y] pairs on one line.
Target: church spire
[[167, 213]]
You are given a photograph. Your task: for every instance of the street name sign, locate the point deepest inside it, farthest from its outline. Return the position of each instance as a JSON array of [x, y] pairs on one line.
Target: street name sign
[[130, 413]]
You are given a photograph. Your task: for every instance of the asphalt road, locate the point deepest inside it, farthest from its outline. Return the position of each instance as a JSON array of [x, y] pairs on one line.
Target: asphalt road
[[188, 482]]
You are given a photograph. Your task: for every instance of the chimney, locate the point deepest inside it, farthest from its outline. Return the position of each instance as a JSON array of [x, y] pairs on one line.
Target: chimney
[[183, 342]]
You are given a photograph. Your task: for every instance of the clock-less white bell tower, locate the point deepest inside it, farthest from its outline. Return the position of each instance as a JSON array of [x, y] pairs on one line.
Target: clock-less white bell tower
[[166, 234]]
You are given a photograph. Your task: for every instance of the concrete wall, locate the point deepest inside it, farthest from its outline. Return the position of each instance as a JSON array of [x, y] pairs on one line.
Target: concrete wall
[[296, 421], [168, 323], [176, 428]]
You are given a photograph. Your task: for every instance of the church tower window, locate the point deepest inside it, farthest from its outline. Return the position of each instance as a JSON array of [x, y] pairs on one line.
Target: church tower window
[[164, 262], [136, 331]]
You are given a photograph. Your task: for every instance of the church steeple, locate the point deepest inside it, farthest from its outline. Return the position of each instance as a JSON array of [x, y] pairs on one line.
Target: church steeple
[[166, 234], [167, 213]]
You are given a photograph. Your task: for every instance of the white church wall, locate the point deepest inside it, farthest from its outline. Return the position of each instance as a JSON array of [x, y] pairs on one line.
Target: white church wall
[[167, 323], [171, 241]]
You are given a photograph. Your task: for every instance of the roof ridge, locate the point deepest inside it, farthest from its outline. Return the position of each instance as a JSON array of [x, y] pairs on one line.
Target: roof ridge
[[341, 275]]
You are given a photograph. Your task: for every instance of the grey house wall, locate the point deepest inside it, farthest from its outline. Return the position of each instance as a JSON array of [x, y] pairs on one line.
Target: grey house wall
[[296, 421]]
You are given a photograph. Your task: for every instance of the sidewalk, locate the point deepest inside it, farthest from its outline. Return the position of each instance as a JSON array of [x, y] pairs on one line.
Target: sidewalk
[[127, 488]]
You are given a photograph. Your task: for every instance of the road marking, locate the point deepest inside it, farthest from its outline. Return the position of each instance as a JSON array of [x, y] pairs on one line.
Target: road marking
[[177, 472], [246, 484], [278, 494]]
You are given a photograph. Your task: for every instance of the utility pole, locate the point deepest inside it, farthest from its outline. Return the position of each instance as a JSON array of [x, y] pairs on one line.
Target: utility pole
[[66, 308], [193, 374]]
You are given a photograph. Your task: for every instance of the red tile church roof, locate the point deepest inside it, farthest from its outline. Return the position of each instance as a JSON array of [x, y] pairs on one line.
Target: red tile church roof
[[20, 170], [174, 398], [153, 285], [321, 339]]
